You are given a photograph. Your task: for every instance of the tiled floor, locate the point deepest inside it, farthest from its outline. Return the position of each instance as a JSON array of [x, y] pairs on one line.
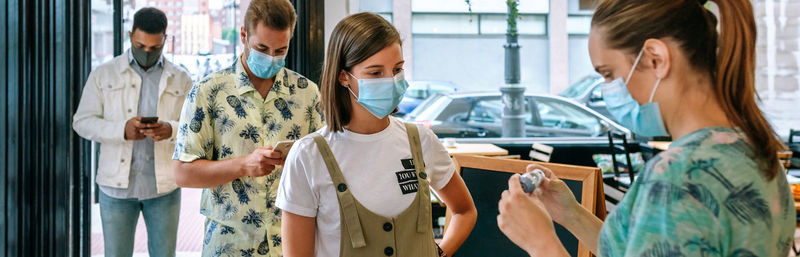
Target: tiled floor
[[190, 228]]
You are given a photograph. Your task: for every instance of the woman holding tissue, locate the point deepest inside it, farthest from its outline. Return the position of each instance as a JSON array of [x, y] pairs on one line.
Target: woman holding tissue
[[360, 185], [718, 190]]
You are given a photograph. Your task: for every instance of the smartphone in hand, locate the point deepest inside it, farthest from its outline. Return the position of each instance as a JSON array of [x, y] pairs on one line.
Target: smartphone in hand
[[283, 147], [149, 120]]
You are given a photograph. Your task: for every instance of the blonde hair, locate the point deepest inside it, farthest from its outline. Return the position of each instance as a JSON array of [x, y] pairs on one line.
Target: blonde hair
[[355, 39], [728, 56]]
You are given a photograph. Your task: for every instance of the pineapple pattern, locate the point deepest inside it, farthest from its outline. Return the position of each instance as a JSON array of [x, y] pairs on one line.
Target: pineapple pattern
[[225, 118], [705, 196]]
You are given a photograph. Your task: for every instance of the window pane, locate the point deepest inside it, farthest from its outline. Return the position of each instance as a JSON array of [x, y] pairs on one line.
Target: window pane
[[102, 32], [376, 6], [478, 6], [202, 36], [387, 16], [443, 24], [526, 25], [579, 24]]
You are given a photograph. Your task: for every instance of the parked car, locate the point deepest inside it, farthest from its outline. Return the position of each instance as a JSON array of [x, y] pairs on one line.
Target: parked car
[[471, 115], [418, 91], [587, 92]]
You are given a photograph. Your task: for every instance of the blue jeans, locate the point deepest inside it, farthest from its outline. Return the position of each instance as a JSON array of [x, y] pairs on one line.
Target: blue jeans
[[119, 217]]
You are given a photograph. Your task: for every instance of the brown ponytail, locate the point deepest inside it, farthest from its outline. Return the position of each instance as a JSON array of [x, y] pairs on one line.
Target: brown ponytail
[[734, 85], [728, 56]]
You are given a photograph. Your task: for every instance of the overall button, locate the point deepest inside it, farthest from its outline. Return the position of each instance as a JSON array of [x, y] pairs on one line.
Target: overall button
[[423, 175], [388, 251], [387, 226], [342, 187]]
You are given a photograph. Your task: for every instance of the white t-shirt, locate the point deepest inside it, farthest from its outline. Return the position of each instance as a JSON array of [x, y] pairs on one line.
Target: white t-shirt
[[375, 168]]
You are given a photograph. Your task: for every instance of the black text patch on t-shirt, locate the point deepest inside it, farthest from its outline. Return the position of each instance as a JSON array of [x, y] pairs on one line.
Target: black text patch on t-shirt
[[408, 164], [407, 180]]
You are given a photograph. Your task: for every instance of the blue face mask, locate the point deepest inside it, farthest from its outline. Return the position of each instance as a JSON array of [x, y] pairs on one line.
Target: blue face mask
[[644, 120], [380, 96], [263, 65]]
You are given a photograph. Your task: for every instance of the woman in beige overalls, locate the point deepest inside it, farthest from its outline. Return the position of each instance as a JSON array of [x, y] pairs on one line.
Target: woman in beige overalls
[[360, 186]]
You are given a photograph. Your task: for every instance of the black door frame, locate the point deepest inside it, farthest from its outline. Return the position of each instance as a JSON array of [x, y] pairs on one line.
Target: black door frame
[[44, 62]]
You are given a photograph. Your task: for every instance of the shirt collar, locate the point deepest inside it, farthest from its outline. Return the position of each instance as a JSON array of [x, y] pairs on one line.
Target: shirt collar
[[244, 85]]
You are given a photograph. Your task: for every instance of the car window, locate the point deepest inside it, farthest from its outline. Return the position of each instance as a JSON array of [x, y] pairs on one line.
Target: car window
[[563, 115], [490, 110]]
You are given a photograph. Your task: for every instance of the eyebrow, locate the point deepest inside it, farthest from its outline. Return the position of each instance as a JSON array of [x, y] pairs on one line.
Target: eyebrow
[[374, 66], [597, 68], [267, 47]]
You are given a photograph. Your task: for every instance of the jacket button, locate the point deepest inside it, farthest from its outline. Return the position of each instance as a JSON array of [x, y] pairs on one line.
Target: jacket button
[[129, 110], [388, 251], [133, 86], [109, 86], [342, 187], [122, 160], [423, 175], [119, 184], [387, 226]]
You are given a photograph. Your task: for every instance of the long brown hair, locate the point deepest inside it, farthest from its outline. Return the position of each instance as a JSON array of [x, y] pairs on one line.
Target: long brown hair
[[355, 39], [728, 56]]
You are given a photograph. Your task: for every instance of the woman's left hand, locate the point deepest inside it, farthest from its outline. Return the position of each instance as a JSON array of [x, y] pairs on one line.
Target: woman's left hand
[[524, 219]]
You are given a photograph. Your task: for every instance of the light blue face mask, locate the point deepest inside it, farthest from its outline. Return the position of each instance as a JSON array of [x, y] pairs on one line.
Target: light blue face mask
[[263, 65], [644, 120], [380, 96]]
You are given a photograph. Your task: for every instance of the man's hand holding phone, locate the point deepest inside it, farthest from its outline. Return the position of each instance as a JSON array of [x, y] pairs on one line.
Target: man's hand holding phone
[[261, 162], [155, 129]]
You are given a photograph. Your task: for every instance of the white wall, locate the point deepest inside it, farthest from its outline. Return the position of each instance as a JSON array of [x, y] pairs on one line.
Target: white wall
[[476, 63], [335, 10]]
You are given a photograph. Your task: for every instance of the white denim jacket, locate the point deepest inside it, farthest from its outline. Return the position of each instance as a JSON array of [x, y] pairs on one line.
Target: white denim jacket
[[110, 98]]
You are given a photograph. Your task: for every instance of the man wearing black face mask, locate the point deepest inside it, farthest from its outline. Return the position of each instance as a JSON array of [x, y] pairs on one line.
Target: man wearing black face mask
[[131, 106]]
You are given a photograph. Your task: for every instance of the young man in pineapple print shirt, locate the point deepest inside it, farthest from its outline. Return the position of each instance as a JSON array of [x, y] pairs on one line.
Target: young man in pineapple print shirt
[[229, 124]]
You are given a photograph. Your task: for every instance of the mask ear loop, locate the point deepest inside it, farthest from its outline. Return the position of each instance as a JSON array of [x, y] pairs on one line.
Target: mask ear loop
[[653, 93], [348, 86], [636, 62]]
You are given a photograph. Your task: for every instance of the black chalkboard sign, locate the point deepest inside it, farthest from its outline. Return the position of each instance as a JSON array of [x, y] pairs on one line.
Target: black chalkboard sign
[[486, 179]]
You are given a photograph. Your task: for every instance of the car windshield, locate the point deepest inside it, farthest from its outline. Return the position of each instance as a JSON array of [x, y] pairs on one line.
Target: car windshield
[[578, 88], [429, 109]]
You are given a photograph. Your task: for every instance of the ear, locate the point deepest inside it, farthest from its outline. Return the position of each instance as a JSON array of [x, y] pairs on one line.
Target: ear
[[658, 56], [344, 79], [243, 35]]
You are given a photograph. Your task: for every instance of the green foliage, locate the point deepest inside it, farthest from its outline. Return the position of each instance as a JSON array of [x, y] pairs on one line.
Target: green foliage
[[231, 35], [513, 14]]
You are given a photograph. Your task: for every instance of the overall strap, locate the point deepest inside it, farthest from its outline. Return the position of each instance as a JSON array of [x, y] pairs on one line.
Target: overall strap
[[346, 200], [424, 210]]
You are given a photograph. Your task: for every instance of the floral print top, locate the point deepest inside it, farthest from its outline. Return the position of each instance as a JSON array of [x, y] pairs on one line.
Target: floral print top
[[704, 196], [225, 117]]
